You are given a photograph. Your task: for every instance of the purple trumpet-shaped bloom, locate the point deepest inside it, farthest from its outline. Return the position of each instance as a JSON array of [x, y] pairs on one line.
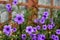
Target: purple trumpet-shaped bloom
[[45, 17], [34, 29], [44, 27], [33, 36], [54, 37], [19, 18], [40, 39], [14, 29], [58, 31], [41, 36], [8, 7], [15, 2], [23, 36], [42, 20], [7, 30], [38, 27], [50, 26], [46, 13], [53, 24], [29, 29]]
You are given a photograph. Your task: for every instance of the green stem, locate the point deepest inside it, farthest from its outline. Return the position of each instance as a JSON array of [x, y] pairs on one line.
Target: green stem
[[20, 31]]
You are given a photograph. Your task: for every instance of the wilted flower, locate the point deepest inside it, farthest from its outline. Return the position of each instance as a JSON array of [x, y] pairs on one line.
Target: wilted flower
[[19, 18], [29, 29], [58, 31], [7, 29]]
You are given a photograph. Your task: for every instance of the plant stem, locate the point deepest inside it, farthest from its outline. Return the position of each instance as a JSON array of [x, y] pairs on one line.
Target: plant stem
[[20, 31]]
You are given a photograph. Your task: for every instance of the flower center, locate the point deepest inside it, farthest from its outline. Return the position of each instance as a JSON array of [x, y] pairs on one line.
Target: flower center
[[8, 5], [19, 18], [44, 27], [29, 29], [7, 29], [42, 37], [23, 36], [58, 31], [44, 16], [42, 20], [15, 2]]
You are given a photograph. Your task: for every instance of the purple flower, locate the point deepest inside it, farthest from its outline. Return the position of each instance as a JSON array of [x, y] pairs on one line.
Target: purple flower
[[46, 13], [41, 36], [29, 29], [14, 29], [45, 17], [40, 39], [8, 7], [23, 36], [7, 30], [33, 35], [34, 29], [58, 31], [19, 18], [44, 27], [54, 37], [33, 38], [50, 26], [42, 20], [38, 27], [36, 21], [53, 24], [15, 2]]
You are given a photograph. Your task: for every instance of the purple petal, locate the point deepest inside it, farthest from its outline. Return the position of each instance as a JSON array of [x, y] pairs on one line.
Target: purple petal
[[58, 31]]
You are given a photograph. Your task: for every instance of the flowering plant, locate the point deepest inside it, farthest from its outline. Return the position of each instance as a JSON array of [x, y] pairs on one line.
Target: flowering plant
[[44, 28]]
